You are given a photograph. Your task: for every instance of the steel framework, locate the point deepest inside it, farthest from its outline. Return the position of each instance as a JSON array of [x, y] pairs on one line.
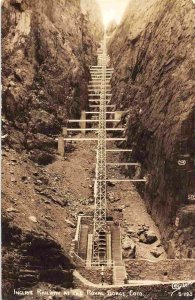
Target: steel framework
[[100, 228], [101, 91]]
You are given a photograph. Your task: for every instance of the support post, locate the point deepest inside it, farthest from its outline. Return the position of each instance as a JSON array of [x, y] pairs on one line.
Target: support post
[[109, 251], [65, 135], [64, 131], [83, 123], [118, 114], [89, 250], [61, 145]]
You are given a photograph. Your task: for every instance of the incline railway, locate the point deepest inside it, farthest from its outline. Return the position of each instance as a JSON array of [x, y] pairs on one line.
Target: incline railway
[[97, 243]]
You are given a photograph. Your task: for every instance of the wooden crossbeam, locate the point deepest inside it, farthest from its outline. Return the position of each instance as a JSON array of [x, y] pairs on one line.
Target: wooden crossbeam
[[119, 150], [98, 100], [97, 112], [94, 129], [99, 80], [100, 67], [107, 95], [91, 82], [123, 180], [93, 77], [92, 139], [108, 105], [95, 89], [95, 72], [96, 83], [99, 85], [89, 120], [123, 164], [100, 72]]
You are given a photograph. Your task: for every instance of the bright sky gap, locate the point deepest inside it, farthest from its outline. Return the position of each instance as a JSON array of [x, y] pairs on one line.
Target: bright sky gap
[[112, 10]]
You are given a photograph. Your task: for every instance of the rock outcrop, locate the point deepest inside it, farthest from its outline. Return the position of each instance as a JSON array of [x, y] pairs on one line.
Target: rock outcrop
[[153, 81], [112, 26], [92, 11], [47, 50], [32, 258]]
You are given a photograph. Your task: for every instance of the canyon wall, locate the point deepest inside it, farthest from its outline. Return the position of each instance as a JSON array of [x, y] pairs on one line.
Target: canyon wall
[[92, 11], [48, 47], [152, 53], [47, 50]]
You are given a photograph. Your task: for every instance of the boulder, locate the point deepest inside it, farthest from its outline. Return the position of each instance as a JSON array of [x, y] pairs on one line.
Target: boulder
[[132, 232], [156, 252], [119, 209], [11, 209], [42, 157], [150, 237], [142, 239], [33, 219], [129, 248], [127, 243]]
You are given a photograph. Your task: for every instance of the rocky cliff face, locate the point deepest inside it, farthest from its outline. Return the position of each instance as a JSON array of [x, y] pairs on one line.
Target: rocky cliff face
[[92, 11], [153, 81], [47, 49], [112, 26]]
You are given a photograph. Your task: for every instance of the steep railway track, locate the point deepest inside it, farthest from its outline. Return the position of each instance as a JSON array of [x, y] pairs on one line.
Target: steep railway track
[[97, 244]]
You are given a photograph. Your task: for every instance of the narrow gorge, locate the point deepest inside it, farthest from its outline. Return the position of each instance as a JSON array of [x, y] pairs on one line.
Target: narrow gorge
[[58, 65]]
